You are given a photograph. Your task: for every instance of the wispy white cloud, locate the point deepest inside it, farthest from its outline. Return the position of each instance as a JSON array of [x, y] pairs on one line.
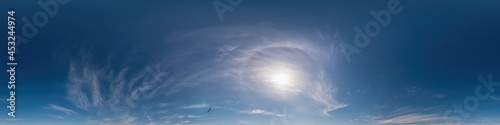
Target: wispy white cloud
[[261, 51], [323, 95], [194, 116], [195, 106], [129, 121], [75, 88], [62, 109], [177, 116], [260, 112], [114, 92], [243, 122], [183, 122], [413, 118], [410, 115], [113, 96], [187, 116]]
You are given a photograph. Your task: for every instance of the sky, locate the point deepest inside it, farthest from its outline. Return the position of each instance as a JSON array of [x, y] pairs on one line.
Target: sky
[[254, 62]]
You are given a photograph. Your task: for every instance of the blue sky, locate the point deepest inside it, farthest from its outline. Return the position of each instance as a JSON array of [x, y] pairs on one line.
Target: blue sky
[[264, 63]]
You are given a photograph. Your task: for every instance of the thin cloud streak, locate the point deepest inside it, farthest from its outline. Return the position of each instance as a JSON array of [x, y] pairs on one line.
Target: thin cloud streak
[[414, 118], [195, 106], [411, 115], [62, 109], [260, 112]]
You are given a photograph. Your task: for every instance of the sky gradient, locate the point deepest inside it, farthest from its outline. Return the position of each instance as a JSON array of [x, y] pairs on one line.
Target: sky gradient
[[166, 62]]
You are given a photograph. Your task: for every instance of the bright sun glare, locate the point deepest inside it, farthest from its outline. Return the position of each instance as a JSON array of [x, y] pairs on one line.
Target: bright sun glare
[[281, 79]]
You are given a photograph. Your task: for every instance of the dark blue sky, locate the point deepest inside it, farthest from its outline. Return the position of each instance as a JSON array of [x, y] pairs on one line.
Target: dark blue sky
[[266, 63]]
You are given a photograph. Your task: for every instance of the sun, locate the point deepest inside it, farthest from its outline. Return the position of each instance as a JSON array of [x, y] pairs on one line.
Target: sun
[[281, 79]]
